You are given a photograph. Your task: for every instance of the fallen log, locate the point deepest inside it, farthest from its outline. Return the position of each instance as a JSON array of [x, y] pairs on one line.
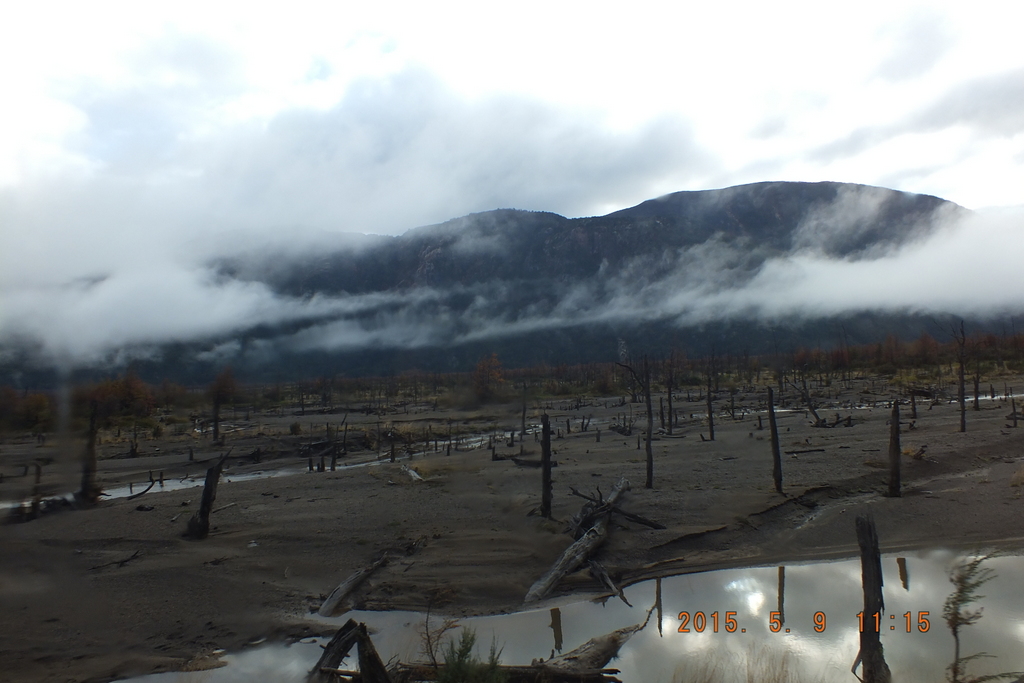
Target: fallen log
[[524, 462], [335, 651], [413, 474], [344, 588], [617, 510], [579, 551]]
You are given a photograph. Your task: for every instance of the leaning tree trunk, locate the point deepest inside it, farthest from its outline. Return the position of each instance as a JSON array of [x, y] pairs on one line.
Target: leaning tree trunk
[[199, 525]]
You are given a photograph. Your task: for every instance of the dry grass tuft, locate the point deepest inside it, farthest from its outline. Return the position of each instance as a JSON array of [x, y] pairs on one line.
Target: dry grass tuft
[[764, 664]]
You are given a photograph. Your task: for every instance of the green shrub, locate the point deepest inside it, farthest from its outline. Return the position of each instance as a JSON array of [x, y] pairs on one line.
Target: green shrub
[[460, 666]]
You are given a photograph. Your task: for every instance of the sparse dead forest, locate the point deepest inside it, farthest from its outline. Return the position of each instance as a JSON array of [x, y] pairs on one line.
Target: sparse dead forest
[[463, 492]]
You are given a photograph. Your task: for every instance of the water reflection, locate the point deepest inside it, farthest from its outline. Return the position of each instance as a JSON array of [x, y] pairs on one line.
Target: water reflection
[[798, 651]]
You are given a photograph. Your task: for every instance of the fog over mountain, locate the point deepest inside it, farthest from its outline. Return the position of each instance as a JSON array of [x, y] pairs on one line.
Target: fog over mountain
[[736, 267]]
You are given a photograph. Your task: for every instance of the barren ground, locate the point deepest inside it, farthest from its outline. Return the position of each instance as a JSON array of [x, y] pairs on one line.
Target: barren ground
[[286, 541]]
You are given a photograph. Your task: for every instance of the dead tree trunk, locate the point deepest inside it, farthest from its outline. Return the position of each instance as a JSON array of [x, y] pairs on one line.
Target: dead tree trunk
[[650, 424], [776, 451], [89, 493], [545, 467], [522, 423], [711, 411], [894, 451], [977, 381], [959, 336], [334, 653], [670, 381], [216, 418], [913, 405], [871, 657], [199, 526]]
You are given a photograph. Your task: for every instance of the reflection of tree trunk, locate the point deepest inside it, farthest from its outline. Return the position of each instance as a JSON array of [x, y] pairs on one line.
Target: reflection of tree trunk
[[782, 594], [901, 563], [89, 493], [894, 451], [871, 656], [556, 627], [657, 602]]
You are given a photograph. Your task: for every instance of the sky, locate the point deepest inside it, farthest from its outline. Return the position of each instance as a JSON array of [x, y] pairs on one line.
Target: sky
[[141, 140]]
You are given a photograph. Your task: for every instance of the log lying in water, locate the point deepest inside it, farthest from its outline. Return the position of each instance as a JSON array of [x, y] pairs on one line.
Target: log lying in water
[[371, 668], [585, 664], [576, 554]]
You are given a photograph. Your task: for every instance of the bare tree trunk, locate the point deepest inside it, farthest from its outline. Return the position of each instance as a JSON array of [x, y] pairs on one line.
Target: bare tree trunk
[[216, 418], [650, 423], [776, 451], [89, 493], [522, 422], [199, 525], [961, 356], [670, 381], [977, 381], [894, 452], [545, 467], [711, 411]]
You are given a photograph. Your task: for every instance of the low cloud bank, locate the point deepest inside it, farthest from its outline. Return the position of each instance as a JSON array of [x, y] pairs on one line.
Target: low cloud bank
[[968, 265]]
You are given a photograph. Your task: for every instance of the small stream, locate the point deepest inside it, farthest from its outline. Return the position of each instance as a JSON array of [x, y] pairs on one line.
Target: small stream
[[817, 640]]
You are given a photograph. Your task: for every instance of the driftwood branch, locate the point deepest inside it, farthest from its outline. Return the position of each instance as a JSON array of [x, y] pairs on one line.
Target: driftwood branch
[[347, 586], [136, 495], [119, 563], [601, 574], [616, 509]]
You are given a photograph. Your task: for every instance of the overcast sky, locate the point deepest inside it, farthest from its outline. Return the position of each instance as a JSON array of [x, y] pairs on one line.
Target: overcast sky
[[138, 139]]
